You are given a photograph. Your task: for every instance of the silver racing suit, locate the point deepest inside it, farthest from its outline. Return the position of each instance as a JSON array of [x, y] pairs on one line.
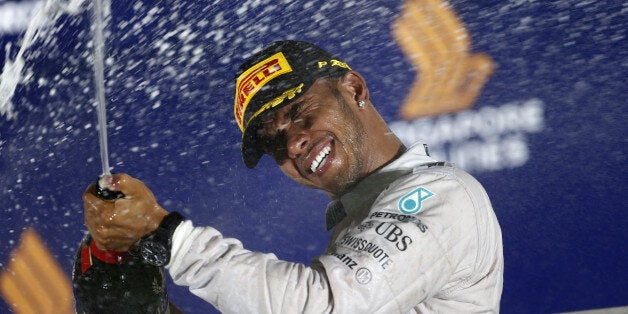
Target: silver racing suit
[[417, 236]]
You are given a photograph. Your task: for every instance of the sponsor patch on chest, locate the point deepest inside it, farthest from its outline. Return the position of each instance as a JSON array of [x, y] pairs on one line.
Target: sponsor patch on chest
[[412, 202]]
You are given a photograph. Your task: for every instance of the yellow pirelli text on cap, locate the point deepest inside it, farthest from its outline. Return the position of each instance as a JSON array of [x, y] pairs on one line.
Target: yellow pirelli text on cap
[[253, 79]]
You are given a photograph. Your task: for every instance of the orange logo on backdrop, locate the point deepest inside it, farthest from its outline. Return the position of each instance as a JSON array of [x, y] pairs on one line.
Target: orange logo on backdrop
[[449, 76], [33, 281], [252, 80]]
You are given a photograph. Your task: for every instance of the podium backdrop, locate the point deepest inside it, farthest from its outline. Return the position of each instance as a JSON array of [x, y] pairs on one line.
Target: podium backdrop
[[529, 96]]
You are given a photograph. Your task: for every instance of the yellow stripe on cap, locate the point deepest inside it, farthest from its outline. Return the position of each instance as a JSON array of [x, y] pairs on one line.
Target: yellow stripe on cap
[[253, 79], [290, 93]]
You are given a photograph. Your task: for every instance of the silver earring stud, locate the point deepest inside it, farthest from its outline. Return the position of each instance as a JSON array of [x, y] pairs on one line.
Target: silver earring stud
[[361, 103]]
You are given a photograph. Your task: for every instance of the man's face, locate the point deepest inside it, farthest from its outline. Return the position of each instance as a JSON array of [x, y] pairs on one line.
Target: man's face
[[317, 139]]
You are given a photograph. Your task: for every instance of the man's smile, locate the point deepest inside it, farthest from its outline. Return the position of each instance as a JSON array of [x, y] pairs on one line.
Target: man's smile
[[319, 157]]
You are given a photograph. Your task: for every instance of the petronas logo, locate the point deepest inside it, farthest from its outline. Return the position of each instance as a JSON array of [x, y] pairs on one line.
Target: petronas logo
[[412, 202]]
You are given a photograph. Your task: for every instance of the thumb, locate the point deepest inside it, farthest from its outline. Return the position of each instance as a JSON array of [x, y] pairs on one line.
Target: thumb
[[126, 184]]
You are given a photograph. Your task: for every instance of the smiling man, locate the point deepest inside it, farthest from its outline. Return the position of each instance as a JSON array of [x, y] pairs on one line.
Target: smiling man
[[411, 234], [312, 114]]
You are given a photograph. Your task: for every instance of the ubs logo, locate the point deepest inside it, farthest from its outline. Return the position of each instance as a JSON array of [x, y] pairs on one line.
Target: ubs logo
[[394, 234]]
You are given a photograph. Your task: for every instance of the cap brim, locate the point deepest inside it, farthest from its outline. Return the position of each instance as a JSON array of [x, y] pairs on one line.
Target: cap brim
[[252, 152]]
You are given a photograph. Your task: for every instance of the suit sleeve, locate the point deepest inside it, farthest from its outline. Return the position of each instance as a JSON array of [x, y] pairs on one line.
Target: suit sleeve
[[235, 280], [384, 261]]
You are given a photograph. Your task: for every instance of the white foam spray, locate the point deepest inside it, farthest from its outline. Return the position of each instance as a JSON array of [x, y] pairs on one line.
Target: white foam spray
[[13, 70], [99, 75]]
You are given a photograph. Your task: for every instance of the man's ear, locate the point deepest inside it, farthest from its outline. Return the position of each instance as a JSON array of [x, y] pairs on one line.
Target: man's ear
[[353, 82]]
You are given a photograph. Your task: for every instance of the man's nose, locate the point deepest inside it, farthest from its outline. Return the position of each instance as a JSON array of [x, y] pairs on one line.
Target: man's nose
[[297, 142]]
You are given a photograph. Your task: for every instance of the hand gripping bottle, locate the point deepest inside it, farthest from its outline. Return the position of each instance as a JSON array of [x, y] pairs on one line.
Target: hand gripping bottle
[[116, 282]]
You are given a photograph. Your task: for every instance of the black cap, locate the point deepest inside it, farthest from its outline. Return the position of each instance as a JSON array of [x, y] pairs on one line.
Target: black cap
[[270, 78]]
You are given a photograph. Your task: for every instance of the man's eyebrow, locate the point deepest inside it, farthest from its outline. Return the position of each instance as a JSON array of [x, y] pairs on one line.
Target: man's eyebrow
[[294, 110]]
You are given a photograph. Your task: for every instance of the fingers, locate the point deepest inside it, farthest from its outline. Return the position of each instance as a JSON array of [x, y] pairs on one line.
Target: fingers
[[126, 184], [112, 229], [89, 196], [113, 239], [100, 220], [133, 189], [116, 224]]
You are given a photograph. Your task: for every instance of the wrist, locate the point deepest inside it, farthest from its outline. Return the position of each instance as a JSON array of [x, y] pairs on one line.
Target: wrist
[[158, 217], [155, 248]]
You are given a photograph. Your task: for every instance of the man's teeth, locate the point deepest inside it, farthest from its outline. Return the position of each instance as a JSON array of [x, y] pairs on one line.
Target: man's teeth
[[321, 156]]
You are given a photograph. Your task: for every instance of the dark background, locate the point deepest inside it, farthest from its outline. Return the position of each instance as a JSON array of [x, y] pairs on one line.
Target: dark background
[[169, 76]]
